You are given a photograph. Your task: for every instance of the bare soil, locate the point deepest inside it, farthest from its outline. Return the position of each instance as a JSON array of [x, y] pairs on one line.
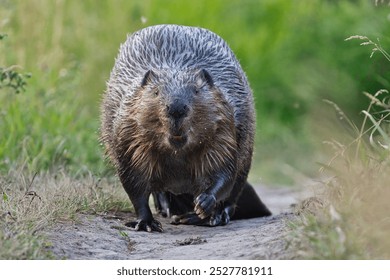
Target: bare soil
[[106, 237]]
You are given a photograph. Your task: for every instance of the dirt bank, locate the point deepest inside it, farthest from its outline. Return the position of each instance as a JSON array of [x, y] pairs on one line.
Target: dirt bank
[[105, 237]]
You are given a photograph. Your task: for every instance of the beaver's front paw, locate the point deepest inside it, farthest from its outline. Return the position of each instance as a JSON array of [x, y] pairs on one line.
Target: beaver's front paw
[[142, 225], [204, 205]]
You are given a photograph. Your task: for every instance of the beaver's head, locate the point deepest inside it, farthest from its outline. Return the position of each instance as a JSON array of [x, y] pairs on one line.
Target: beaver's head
[[177, 110]]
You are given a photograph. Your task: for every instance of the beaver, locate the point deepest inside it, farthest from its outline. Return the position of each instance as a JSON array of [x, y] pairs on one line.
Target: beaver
[[178, 122]]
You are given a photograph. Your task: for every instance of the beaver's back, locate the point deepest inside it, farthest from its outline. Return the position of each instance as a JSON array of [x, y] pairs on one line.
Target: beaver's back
[[176, 48]]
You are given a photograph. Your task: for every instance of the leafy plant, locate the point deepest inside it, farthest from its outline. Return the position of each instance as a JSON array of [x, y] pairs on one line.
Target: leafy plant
[[11, 78]]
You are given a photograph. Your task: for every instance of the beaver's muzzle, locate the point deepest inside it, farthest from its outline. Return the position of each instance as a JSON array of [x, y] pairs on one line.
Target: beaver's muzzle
[[177, 141]]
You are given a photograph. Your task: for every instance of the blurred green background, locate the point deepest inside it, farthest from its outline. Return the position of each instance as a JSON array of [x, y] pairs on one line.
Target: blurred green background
[[293, 52]]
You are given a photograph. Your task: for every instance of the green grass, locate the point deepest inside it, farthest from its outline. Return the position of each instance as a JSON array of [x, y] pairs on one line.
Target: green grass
[[352, 219], [293, 52], [295, 56]]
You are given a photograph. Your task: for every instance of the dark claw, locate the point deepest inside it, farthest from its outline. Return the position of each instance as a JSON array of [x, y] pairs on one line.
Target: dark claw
[[215, 220], [205, 205], [220, 217], [141, 225], [225, 218]]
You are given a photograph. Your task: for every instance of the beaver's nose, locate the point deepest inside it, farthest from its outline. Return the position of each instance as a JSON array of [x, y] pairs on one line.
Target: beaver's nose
[[177, 110]]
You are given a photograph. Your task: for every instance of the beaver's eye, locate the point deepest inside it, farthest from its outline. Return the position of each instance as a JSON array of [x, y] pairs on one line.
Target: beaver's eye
[[155, 92], [197, 90]]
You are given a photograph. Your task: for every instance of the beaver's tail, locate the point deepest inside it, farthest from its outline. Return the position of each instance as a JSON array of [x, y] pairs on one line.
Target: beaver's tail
[[249, 205]]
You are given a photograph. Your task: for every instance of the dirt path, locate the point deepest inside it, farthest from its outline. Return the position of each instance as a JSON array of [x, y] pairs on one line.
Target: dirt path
[[105, 237]]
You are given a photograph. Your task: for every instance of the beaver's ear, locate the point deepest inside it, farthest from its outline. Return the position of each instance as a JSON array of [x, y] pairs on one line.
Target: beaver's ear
[[202, 76], [149, 77]]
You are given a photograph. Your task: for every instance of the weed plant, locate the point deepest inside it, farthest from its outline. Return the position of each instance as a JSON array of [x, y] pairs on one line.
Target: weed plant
[[31, 203], [352, 220]]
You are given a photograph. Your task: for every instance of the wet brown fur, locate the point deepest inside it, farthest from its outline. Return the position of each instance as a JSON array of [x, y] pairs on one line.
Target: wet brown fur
[[213, 162], [140, 141]]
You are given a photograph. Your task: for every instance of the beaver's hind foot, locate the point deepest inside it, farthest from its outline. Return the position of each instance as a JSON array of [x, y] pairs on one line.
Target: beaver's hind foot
[[220, 217], [142, 225]]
